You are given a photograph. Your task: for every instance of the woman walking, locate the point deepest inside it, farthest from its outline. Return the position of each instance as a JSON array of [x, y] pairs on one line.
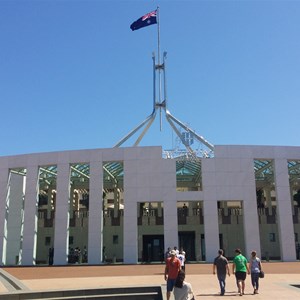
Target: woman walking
[[255, 268], [182, 290]]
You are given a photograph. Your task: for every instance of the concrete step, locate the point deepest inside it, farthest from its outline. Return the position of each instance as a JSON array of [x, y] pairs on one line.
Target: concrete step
[[122, 293]]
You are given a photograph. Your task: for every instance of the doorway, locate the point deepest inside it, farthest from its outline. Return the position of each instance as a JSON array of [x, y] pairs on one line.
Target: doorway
[[187, 243], [153, 248]]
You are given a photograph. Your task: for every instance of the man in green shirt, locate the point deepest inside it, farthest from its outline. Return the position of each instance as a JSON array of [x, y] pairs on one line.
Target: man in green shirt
[[240, 268]]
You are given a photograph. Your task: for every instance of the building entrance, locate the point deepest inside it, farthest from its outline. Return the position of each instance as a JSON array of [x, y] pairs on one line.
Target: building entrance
[[187, 243], [153, 248]]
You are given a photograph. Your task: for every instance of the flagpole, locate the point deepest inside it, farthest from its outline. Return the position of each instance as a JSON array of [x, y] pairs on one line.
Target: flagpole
[[159, 67], [158, 56], [158, 36]]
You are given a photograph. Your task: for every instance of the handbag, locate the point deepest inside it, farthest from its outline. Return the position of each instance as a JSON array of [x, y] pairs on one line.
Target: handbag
[[261, 274]]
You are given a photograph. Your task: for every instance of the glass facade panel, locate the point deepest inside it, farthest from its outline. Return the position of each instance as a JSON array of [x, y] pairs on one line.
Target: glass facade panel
[[188, 174], [231, 227], [79, 213], [294, 179], [150, 221], [267, 208], [14, 217], [46, 214], [191, 229], [113, 211]]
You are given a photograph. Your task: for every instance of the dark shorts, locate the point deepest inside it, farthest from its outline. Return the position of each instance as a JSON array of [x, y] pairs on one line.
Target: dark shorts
[[240, 275], [170, 284]]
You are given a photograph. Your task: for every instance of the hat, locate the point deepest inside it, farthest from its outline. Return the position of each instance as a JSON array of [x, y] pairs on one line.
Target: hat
[[173, 252]]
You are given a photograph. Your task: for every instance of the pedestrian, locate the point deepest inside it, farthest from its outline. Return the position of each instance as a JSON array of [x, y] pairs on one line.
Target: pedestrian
[[176, 250], [168, 253], [255, 268], [51, 256], [183, 252], [181, 257], [182, 289], [222, 266], [172, 269], [240, 268]]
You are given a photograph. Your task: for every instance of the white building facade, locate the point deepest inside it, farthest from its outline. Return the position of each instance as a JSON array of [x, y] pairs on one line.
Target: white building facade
[[130, 204]]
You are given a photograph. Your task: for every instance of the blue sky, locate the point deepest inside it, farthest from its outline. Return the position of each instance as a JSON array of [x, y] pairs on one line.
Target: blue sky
[[74, 76]]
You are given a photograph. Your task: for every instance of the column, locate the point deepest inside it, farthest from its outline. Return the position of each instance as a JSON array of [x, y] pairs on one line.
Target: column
[[130, 246], [159, 209], [211, 228], [30, 217], [3, 198], [210, 209], [284, 211], [251, 222], [268, 200], [14, 218], [170, 220], [95, 234], [225, 207], [49, 208], [71, 209], [292, 200], [116, 202], [61, 233], [130, 228]]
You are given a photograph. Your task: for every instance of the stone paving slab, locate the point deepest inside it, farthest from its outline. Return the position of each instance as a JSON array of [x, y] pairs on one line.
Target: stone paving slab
[[277, 284]]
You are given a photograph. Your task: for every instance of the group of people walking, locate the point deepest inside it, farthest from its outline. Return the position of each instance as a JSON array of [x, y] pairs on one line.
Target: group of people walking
[[240, 268], [175, 274]]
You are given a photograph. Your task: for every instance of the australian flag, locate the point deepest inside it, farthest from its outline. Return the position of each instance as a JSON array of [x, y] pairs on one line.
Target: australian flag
[[144, 21]]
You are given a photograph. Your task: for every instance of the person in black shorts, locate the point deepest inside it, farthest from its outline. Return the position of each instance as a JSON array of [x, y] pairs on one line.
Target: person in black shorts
[[240, 268]]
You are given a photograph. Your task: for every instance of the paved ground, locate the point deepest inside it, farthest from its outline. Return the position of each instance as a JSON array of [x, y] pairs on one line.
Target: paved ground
[[277, 285]]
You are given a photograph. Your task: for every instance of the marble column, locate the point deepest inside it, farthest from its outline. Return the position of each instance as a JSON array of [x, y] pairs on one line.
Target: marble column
[[284, 211], [95, 234], [3, 200], [30, 217], [61, 234]]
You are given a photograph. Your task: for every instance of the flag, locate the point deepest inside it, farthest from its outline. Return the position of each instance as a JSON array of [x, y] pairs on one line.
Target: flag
[[144, 21]]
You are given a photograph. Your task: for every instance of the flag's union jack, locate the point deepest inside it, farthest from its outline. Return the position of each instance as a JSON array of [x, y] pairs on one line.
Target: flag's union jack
[[149, 15], [145, 20]]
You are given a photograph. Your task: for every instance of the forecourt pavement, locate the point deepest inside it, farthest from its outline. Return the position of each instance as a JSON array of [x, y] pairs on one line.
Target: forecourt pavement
[[277, 284]]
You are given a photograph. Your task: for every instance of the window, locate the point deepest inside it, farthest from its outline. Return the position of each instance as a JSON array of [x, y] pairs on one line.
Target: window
[[272, 237], [115, 239], [71, 240], [47, 240]]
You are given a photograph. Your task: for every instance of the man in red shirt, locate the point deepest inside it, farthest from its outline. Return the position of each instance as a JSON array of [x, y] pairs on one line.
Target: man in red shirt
[[173, 266]]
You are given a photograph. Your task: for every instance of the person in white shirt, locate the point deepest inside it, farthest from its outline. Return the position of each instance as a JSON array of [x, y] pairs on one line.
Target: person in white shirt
[[182, 290], [181, 257]]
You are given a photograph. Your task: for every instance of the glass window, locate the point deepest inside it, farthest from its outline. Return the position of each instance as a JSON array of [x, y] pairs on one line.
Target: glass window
[[115, 239], [71, 240], [47, 240], [272, 237]]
